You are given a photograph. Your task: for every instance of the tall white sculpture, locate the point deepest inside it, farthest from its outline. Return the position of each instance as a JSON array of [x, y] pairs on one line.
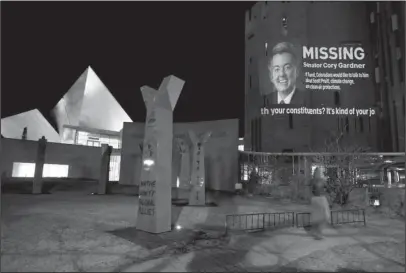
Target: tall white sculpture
[[184, 176], [154, 212], [198, 190]]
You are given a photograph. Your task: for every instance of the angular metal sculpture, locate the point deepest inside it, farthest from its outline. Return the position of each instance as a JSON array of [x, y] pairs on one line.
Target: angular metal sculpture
[[184, 175], [88, 103], [154, 211], [198, 191]]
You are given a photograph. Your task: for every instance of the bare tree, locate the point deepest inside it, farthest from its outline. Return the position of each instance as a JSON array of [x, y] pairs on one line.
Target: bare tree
[[339, 160]]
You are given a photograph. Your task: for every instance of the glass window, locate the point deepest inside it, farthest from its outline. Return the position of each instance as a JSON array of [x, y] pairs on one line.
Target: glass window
[[55, 170], [82, 138], [93, 143], [68, 135], [394, 18], [21, 169], [114, 173], [105, 140], [115, 143], [372, 17]]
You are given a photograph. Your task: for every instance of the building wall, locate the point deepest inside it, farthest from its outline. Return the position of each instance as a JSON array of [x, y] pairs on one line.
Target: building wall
[[221, 152], [14, 150], [88, 103], [387, 36], [306, 22], [90, 136], [83, 161], [132, 138], [36, 124]]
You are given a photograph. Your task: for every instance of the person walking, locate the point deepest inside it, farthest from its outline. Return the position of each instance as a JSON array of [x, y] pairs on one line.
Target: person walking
[[252, 183], [320, 208]]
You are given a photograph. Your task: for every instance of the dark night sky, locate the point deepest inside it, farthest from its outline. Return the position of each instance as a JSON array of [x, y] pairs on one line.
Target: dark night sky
[[47, 45]]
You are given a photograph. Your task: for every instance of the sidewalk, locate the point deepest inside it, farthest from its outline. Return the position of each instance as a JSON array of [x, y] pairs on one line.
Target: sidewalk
[[76, 232], [346, 248]]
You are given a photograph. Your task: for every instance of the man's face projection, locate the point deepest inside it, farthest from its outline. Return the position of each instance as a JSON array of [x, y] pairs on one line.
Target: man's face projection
[[283, 72]]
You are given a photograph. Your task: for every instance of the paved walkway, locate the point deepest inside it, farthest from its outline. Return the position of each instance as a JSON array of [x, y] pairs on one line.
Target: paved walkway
[[346, 248], [81, 233]]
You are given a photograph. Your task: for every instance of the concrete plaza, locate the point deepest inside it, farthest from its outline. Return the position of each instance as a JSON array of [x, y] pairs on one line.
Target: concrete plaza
[[78, 232]]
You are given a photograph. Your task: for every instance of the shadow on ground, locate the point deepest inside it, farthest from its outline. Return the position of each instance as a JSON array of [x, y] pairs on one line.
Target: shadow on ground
[[152, 241]]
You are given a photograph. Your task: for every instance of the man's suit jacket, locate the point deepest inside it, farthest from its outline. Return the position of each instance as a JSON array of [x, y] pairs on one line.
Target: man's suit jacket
[[300, 98]]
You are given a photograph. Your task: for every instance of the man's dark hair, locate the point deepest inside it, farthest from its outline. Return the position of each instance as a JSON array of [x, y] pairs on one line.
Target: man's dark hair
[[284, 47]]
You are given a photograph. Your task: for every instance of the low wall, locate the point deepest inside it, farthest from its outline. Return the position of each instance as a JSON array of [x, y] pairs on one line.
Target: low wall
[[83, 161]]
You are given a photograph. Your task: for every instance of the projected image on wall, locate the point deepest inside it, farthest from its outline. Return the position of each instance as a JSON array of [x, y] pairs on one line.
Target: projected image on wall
[[283, 68], [293, 74]]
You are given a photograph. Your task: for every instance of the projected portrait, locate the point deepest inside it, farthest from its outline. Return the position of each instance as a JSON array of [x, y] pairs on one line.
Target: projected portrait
[[283, 72]]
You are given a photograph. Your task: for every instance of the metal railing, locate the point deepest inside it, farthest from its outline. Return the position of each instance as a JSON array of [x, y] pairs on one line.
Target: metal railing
[[303, 219], [339, 217], [259, 221], [262, 221]]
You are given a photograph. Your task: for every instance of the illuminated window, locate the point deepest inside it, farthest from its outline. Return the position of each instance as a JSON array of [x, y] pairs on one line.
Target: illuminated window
[[104, 140], [284, 21], [23, 169], [68, 135], [377, 79], [93, 143], [115, 143], [114, 172], [246, 170], [241, 147], [394, 22], [96, 140], [82, 138], [55, 170], [372, 17]]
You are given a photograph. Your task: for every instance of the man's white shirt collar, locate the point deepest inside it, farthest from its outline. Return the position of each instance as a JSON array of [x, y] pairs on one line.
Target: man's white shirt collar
[[288, 98]]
